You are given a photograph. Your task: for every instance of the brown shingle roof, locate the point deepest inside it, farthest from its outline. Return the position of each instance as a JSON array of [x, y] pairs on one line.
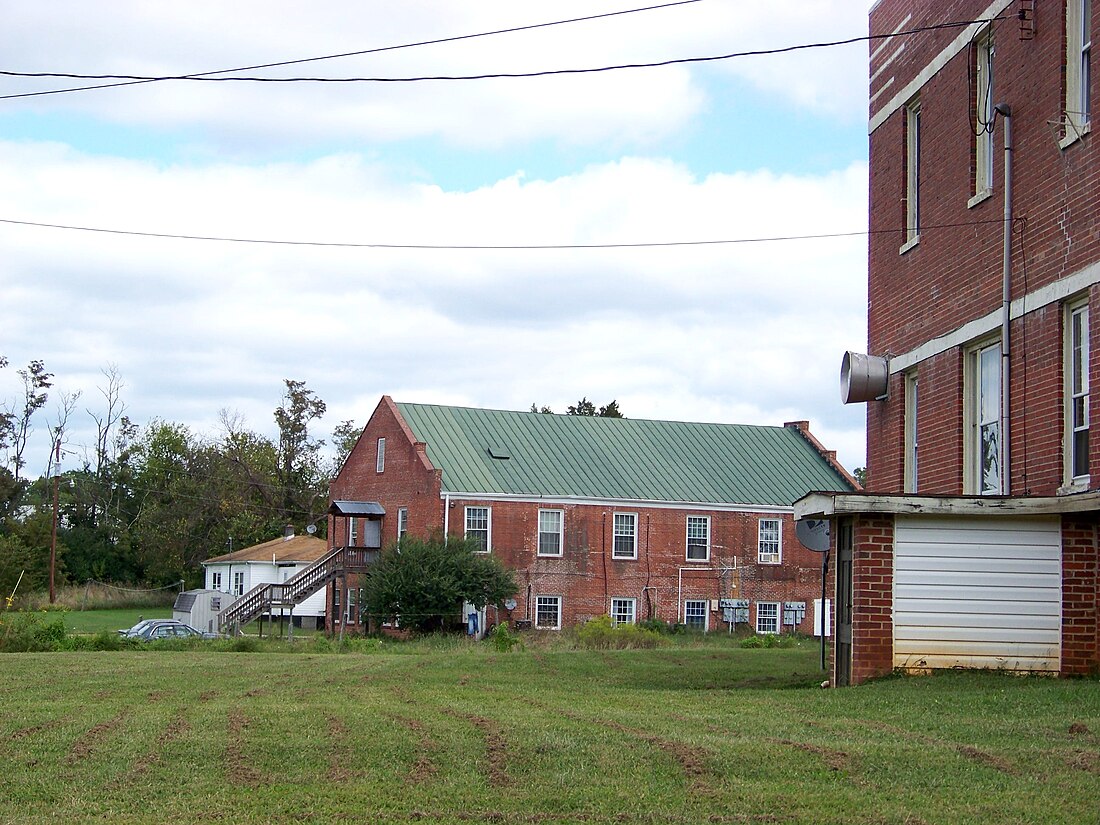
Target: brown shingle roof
[[297, 548]]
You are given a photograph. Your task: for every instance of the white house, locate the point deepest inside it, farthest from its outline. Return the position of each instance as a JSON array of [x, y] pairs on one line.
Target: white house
[[272, 562]]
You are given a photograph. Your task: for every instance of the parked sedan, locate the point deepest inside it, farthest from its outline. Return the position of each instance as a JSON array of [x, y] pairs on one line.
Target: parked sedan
[[153, 629]]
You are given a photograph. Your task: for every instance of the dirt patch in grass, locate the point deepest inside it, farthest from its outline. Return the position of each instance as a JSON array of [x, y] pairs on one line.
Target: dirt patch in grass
[[207, 695], [496, 748], [237, 770], [339, 756], [424, 768], [834, 760], [690, 758], [1088, 761], [23, 733], [1079, 729], [989, 759], [173, 731], [85, 746]]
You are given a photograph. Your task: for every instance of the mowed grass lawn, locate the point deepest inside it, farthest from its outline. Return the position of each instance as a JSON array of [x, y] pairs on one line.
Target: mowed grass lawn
[[682, 734]]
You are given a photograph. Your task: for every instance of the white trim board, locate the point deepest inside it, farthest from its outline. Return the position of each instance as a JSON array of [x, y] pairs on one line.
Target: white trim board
[[701, 507], [938, 62], [1053, 293]]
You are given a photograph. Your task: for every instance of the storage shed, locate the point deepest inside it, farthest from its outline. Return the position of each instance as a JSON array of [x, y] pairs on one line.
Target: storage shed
[[200, 608]]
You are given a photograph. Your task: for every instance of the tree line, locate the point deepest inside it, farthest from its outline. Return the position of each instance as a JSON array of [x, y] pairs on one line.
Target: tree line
[[146, 504]]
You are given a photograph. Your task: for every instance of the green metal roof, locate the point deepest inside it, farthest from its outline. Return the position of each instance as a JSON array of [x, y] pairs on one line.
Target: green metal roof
[[609, 458]]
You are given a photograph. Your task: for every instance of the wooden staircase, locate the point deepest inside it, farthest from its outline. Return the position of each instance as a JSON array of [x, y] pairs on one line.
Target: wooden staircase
[[263, 598]]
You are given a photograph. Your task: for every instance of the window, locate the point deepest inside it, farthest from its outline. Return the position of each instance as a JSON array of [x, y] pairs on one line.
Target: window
[[768, 544], [478, 527], [353, 532], [696, 613], [982, 472], [215, 580], [1077, 392], [698, 538], [550, 532], [912, 174], [911, 441], [548, 612], [402, 521], [626, 536], [622, 611], [380, 460], [767, 617], [238, 583], [984, 117], [1078, 69], [350, 616]]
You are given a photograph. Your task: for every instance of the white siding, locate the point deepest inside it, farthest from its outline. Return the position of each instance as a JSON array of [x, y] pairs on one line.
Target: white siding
[[977, 593]]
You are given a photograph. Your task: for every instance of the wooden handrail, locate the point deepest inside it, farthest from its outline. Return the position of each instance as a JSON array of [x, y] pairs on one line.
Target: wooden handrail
[[299, 587]]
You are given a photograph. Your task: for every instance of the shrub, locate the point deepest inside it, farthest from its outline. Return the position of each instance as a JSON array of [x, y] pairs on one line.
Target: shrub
[[768, 640], [30, 632], [600, 634], [503, 640]]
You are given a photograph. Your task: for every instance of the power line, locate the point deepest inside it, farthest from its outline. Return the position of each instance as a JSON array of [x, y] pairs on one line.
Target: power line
[[207, 76], [488, 247], [200, 75]]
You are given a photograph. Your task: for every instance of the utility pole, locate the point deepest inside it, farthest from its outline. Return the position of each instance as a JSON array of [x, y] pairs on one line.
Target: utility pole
[[53, 531]]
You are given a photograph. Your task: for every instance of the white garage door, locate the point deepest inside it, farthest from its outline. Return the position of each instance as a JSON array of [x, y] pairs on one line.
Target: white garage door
[[977, 593]]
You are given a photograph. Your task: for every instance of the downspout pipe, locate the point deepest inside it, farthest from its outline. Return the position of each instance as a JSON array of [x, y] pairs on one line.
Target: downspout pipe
[[1005, 111]]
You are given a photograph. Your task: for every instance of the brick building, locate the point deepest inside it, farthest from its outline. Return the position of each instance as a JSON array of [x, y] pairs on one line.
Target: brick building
[[976, 544], [635, 519]]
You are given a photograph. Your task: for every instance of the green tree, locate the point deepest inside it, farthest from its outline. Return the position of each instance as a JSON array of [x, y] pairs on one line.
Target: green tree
[[299, 471], [344, 439], [586, 407], [424, 581]]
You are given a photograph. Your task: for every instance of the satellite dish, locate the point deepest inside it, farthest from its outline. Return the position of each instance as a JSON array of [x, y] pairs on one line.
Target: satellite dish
[[510, 604], [813, 533], [311, 529]]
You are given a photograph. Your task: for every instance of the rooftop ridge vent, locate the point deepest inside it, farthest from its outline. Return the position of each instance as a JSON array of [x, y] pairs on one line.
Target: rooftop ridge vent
[[502, 453]]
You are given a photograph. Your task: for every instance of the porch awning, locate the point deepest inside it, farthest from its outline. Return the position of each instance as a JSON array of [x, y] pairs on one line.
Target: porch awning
[[359, 509]]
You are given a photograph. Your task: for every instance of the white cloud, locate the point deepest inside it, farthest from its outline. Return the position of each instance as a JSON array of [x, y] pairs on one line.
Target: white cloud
[[748, 333], [631, 107]]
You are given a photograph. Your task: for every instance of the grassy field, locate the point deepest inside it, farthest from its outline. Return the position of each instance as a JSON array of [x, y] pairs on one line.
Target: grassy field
[[458, 733]]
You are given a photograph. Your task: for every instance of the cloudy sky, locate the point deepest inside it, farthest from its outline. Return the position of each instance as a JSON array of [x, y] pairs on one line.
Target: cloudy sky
[[378, 190]]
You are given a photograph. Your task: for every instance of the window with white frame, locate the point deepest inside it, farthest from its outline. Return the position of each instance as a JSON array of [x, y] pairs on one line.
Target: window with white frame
[[625, 541], [349, 614], [551, 524], [623, 611], [984, 116], [912, 445], [238, 583], [380, 460], [982, 471], [479, 527], [1078, 69], [696, 613], [548, 612], [769, 541], [215, 580], [767, 617], [698, 538], [912, 173], [1077, 392], [402, 521], [353, 532]]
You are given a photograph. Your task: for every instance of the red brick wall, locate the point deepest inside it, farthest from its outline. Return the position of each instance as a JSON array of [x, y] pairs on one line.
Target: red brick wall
[[872, 597], [954, 274], [1080, 596], [585, 576], [588, 577]]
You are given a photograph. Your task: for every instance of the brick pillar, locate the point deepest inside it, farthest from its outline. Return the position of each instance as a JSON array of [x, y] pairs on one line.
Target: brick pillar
[[872, 597], [1080, 595]]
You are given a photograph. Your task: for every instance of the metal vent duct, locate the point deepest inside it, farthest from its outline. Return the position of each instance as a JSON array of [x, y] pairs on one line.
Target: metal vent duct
[[863, 377]]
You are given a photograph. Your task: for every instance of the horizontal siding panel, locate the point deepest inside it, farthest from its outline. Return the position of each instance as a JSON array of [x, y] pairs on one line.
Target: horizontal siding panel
[[903, 593], [964, 581], [982, 607], [977, 635], [1039, 664], [1050, 621], [967, 564]]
